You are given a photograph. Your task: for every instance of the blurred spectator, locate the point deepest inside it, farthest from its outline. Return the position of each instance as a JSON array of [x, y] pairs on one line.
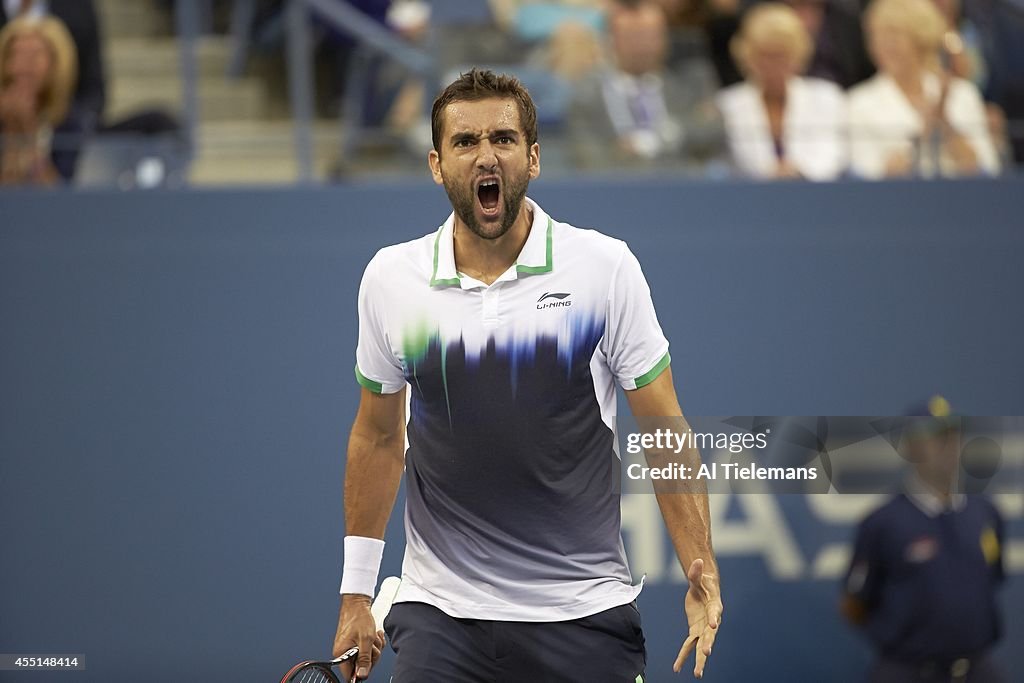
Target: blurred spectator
[[688, 22], [635, 112], [341, 59], [537, 20], [778, 123], [926, 565], [913, 117], [835, 31], [693, 13], [839, 54], [722, 23], [407, 114], [37, 77], [563, 37], [961, 44], [379, 88], [573, 52], [1000, 25], [963, 53], [86, 110]]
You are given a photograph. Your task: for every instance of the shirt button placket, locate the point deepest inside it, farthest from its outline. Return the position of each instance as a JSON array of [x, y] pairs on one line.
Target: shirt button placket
[[489, 314]]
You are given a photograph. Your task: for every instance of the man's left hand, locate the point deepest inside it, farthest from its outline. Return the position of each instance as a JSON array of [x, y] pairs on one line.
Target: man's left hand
[[703, 606]]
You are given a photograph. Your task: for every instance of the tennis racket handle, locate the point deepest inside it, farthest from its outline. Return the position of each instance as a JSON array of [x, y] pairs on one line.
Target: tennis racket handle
[[382, 603]]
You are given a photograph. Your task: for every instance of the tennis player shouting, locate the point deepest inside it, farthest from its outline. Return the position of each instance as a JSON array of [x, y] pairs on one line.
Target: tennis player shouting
[[510, 329]]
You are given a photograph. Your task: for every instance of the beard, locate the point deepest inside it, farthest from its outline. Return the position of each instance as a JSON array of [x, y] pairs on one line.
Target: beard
[[463, 200]]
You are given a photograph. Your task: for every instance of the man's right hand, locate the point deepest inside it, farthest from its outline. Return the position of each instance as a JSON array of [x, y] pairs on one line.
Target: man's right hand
[[356, 628]]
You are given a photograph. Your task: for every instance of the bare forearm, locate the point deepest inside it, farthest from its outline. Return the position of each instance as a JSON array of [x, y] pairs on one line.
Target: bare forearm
[[684, 504], [688, 521], [372, 477]]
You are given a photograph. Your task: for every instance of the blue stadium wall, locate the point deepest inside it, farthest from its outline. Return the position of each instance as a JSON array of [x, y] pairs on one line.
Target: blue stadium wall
[[176, 390]]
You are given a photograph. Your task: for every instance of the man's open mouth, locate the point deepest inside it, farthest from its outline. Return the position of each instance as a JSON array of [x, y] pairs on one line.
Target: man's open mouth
[[488, 193]]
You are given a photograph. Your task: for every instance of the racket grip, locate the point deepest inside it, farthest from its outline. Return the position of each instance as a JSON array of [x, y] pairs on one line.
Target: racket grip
[[382, 603]]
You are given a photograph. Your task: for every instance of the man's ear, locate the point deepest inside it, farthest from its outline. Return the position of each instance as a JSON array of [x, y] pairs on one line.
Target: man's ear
[[534, 160], [434, 161]]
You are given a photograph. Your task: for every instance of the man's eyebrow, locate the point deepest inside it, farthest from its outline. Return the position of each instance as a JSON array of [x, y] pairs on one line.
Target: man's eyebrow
[[466, 135]]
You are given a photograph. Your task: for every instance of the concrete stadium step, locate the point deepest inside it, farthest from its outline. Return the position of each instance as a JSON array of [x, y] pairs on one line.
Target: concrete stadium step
[[131, 18], [159, 57], [219, 99]]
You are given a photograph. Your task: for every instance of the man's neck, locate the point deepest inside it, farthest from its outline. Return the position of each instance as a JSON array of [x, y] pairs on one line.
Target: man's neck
[[485, 260], [931, 497], [941, 488]]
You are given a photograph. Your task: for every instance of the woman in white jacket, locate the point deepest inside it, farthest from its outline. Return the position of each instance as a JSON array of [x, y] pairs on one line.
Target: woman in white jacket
[[913, 117], [780, 124]]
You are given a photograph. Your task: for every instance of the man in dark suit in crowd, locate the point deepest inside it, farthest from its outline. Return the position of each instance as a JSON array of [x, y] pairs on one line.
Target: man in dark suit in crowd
[[90, 94], [636, 112]]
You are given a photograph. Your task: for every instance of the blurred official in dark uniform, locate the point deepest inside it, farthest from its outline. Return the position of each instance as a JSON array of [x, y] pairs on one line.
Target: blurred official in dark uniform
[[926, 566]]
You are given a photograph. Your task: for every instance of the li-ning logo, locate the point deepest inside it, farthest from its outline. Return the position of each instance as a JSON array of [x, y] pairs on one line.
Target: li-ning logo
[[560, 299]]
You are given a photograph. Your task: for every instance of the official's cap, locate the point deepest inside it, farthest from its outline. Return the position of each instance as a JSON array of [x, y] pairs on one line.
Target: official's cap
[[934, 416]]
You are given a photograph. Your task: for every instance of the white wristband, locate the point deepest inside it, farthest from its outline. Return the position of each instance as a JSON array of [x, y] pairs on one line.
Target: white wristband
[[362, 564]]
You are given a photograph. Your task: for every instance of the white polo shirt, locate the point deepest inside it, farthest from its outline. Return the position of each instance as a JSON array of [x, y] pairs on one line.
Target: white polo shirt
[[512, 511]]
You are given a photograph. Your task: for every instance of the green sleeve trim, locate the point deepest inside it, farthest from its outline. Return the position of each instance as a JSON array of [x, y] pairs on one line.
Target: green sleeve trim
[[652, 374], [546, 268], [375, 387]]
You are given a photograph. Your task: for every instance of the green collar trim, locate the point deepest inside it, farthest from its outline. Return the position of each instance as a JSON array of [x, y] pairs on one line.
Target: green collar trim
[[434, 281], [537, 270], [520, 268]]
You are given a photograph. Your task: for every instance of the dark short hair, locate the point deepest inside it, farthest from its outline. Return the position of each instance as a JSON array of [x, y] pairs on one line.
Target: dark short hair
[[483, 84]]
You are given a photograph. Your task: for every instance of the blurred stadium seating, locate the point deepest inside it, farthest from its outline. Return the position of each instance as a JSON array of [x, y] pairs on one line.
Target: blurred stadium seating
[[240, 124]]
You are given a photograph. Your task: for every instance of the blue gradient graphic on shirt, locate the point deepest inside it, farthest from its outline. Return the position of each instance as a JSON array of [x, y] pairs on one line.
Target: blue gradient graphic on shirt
[[511, 470], [575, 343], [585, 331], [436, 367]]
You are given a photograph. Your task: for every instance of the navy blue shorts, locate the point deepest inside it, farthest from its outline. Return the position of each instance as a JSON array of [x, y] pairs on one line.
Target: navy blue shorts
[[432, 647]]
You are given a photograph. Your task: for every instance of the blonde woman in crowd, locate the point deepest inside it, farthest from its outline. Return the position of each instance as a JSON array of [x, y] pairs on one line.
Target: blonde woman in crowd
[[780, 124], [914, 117], [38, 70]]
